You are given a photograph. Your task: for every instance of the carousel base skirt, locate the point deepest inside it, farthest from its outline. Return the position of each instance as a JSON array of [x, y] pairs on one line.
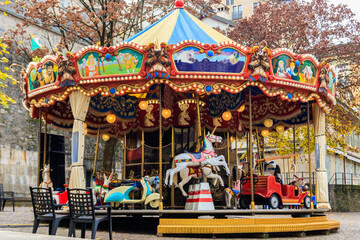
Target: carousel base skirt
[[254, 225], [230, 221]]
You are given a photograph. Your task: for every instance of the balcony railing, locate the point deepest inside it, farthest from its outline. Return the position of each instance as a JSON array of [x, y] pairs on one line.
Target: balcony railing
[[340, 178]]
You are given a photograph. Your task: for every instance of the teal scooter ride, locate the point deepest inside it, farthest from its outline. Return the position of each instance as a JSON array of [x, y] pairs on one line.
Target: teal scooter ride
[[121, 195]]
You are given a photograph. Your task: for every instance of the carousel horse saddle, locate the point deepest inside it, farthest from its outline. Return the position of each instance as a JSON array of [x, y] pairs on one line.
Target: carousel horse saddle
[[196, 155]]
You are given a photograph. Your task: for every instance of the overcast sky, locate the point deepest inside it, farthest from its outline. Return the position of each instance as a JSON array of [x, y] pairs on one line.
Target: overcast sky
[[353, 4]]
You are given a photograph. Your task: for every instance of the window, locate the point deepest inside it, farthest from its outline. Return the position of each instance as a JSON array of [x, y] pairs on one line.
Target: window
[[255, 6], [232, 2], [234, 12], [237, 12], [227, 2]]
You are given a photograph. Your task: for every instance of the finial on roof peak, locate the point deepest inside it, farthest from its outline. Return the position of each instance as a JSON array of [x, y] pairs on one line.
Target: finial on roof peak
[[179, 4]]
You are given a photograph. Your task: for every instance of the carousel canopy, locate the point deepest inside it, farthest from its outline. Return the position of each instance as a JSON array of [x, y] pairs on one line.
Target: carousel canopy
[[187, 59], [177, 26]]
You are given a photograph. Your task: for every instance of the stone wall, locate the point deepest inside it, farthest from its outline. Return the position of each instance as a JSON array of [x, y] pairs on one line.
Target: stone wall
[[18, 170], [344, 198]]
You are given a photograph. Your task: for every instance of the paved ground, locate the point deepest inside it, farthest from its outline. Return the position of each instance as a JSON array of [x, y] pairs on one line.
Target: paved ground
[[13, 225]]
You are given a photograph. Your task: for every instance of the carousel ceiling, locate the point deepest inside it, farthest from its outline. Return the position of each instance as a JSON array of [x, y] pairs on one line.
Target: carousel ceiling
[[192, 59]]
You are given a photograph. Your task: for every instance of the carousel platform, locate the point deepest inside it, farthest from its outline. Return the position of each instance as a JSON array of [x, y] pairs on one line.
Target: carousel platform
[[229, 221], [264, 226]]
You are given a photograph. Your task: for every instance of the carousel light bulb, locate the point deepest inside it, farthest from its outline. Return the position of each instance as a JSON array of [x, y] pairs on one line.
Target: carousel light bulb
[[166, 113], [111, 118], [85, 125], [226, 115], [86, 131], [105, 137], [242, 108], [280, 128], [265, 133], [232, 139], [143, 105], [268, 122]]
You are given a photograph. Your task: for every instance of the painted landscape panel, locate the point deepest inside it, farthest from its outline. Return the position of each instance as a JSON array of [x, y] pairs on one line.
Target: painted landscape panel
[[43, 76], [286, 68], [126, 61], [191, 59]]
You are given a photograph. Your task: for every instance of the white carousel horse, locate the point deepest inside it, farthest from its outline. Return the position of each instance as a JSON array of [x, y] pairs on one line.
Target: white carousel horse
[[154, 182], [206, 157], [233, 192], [101, 190], [46, 183], [196, 172]]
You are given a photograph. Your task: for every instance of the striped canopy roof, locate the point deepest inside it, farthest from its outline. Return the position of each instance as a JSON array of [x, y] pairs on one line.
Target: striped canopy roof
[[177, 26]]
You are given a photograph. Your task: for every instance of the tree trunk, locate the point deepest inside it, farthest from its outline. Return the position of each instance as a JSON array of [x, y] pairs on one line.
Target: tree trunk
[[109, 154]]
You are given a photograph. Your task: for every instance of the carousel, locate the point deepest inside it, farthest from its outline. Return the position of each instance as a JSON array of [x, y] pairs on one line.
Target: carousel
[[178, 94]]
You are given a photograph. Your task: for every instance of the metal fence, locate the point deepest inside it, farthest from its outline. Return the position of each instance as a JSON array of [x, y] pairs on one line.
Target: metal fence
[[289, 177], [340, 178]]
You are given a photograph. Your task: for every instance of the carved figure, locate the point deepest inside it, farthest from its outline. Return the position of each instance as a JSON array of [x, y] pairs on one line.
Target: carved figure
[[259, 63], [206, 157], [157, 61], [66, 71], [149, 117], [184, 115], [196, 172], [217, 121], [101, 190], [233, 192], [46, 183]]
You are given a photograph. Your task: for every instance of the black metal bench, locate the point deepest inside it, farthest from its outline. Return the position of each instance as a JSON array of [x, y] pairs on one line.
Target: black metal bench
[[6, 196]]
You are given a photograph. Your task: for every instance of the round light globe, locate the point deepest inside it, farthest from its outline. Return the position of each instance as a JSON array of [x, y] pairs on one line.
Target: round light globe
[[105, 137], [166, 113], [268, 122], [242, 108], [265, 133], [226, 115], [143, 105], [111, 118], [280, 129]]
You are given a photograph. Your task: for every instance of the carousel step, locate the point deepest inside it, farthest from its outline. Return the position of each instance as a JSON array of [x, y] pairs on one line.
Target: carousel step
[[247, 225]]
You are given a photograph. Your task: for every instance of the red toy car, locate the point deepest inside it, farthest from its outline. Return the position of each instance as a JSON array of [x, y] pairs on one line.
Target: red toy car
[[268, 191]]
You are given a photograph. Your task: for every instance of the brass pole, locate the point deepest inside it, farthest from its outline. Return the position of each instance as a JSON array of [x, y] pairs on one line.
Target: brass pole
[[96, 151], [198, 123], [284, 170], [161, 207], [294, 142], [124, 158], [142, 152], [39, 150], [250, 155], [236, 156], [286, 180], [310, 172], [260, 164], [228, 157], [45, 139], [172, 156]]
